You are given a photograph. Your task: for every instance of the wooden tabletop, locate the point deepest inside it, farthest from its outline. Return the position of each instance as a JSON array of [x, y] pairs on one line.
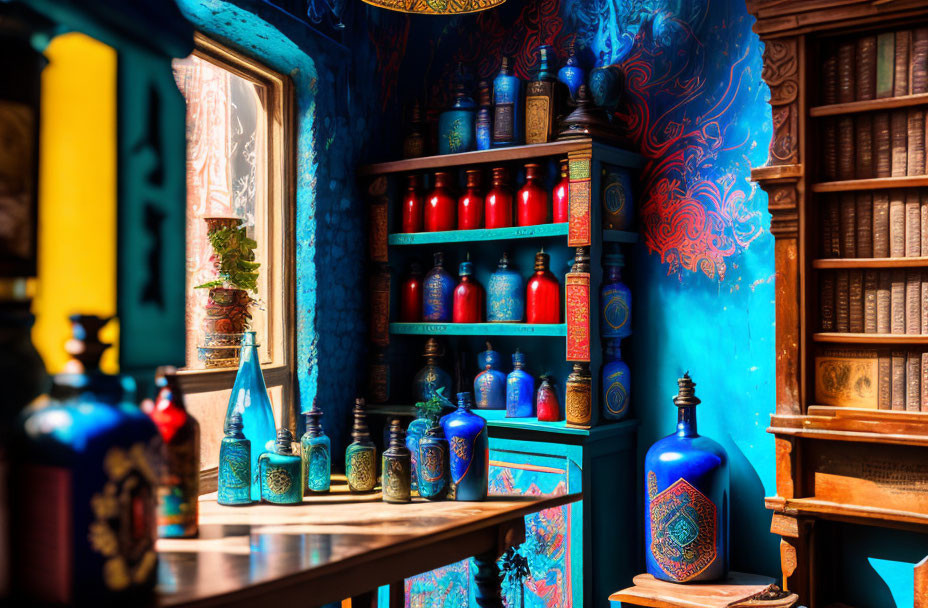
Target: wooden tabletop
[[739, 590], [330, 548]]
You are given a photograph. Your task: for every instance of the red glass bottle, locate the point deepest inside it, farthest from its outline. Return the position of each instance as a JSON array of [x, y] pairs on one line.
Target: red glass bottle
[[440, 205], [469, 296], [412, 205], [499, 201], [560, 195], [532, 199], [546, 404], [411, 295], [470, 205], [543, 294]]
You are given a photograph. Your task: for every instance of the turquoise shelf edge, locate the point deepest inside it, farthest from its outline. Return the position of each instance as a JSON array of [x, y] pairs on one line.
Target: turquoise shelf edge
[[500, 234], [478, 329]]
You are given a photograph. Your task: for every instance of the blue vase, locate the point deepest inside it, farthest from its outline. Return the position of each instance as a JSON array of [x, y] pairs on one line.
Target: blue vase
[[686, 505], [280, 473], [618, 204], [456, 132], [483, 126], [234, 477], [468, 451], [438, 292], [615, 300], [315, 454], [432, 380], [505, 294], [249, 399], [507, 107], [432, 471], [606, 82], [572, 74], [616, 382], [414, 433], [520, 389], [490, 384]]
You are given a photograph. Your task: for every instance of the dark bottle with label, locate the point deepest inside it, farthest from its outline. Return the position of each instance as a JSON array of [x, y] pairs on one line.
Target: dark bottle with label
[[396, 466], [615, 299], [543, 97], [484, 125], [360, 455], [234, 465], [316, 454], [507, 110]]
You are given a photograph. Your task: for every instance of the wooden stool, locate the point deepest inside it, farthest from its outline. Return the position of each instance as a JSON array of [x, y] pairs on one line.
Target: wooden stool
[[738, 591]]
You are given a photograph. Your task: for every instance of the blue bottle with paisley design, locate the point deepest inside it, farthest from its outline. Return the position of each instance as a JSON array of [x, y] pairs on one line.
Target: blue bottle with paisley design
[[315, 454], [520, 389], [438, 292], [505, 294], [616, 382], [490, 384], [615, 299], [686, 500], [456, 125], [280, 472], [468, 451], [432, 470], [234, 465]]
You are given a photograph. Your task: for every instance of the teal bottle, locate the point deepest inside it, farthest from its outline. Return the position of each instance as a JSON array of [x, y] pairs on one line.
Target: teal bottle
[[315, 454], [468, 451], [456, 125], [360, 455], [280, 472], [438, 292], [432, 471], [520, 389], [249, 399], [505, 294], [431, 378], [415, 432], [616, 382], [234, 465], [615, 299], [490, 384], [397, 474]]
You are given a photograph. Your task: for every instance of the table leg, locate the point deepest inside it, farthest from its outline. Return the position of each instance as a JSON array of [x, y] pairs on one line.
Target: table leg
[[489, 593]]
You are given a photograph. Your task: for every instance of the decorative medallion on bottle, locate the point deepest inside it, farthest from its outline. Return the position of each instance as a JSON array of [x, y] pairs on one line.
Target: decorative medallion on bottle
[[543, 294], [377, 211], [413, 206], [498, 202], [687, 504], [507, 99], [430, 7], [579, 230], [396, 466], [438, 292], [469, 451], [360, 455], [431, 378], [578, 396], [234, 465], [490, 384], [616, 382], [380, 304], [615, 299], [505, 294], [315, 454], [547, 406], [618, 209], [280, 472], [577, 298], [520, 389]]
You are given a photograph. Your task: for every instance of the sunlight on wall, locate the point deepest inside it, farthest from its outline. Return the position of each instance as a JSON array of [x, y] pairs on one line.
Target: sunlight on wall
[[77, 193]]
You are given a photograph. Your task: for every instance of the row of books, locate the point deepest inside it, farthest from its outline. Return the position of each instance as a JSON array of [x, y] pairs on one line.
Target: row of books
[[881, 224], [872, 379], [892, 301], [881, 144]]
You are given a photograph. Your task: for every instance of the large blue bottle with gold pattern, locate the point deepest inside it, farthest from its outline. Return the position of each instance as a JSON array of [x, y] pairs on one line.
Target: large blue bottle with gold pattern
[[490, 384], [438, 292], [687, 498], [456, 125], [469, 451], [505, 294], [615, 298]]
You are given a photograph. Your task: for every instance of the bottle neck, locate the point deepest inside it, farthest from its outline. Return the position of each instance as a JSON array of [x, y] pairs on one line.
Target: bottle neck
[[614, 273], [686, 422]]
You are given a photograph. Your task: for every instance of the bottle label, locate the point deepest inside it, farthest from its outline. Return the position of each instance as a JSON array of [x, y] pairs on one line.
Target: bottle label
[[431, 463], [683, 531], [537, 119], [318, 473], [503, 122], [360, 470], [616, 393], [395, 478], [577, 297], [577, 403], [615, 314], [462, 456]]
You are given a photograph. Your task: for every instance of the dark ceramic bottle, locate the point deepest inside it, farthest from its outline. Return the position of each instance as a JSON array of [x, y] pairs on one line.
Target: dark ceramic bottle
[[615, 299], [606, 83], [360, 455], [490, 384], [432, 469], [456, 125], [572, 75], [507, 107], [469, 451], [411, 295], [561, 191], [687, 500], [280, 472], [547, 406], [543, 294], [414, 142], [469, 297], [470, 205], [498, 202], [520, 389], [431, 377], [438, 292], [505, 294], [541, 99], [484, 124], [396, 466], [578, 396], [616, 382], [413, 205], [179, 487], [234, 465], [315, 454], [532, 199], [440, 206]]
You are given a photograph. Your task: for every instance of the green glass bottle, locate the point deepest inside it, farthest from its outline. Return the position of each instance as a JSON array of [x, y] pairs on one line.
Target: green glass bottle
[[396, 466], [361, 455], [280, 472], [315, 452]]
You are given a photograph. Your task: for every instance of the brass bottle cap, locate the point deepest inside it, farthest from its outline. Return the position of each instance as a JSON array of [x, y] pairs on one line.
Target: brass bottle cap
[[413, 181], [541, 260], [473, 178], [442, 179], [532, 171], [500, 176], [564, 167], [686, 392]]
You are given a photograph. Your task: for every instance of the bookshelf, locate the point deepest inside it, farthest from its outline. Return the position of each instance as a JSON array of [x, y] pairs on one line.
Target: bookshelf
[[847, 184]]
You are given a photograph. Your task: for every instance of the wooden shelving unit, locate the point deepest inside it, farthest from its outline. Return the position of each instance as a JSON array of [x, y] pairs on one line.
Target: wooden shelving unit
[[846, 263], [876, 183], [855, 338], [478, 329], [870, 105]]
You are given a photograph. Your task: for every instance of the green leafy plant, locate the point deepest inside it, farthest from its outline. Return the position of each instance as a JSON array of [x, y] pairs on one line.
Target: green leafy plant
[[236, 254], [431, 409]]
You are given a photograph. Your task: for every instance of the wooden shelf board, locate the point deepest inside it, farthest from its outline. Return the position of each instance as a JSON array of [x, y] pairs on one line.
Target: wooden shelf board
[[618, 156], [481, 234], [854, 424], [838, 263], [855, 338], [827, 509], [479, 329], [876, 183], [886, 103]]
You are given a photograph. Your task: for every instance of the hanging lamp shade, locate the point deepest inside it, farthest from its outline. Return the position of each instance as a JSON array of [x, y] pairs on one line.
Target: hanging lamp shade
[[436, 7]]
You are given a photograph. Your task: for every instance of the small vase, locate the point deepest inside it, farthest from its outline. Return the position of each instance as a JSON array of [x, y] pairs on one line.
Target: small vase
[[498, 202], [440, 206], [469, 451], [234, 465], [520, 389], [561, 192], [431, 378], [546, 403], [470, 205], [280, 474], [532, 198], [396, 467], [606, 82], [505, 294], [432, 469], [315, 454], [543, 294], [616, 382], [469, 297], [360, 455], [438, 292], [413, 205], [490, 384]]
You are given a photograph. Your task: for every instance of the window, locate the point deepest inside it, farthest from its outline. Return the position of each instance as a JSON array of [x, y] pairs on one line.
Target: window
[[239, 165]]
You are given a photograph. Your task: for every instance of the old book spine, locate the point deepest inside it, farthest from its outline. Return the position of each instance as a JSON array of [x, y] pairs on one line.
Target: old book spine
[[864, 220], [898, 381], [923, 325], [883, 306], [846, 81], [848, 225], [866, 67], [924, 399], [920, 61], [864, 147], [915, 142], [830, 149], [833, 209], [913, 224], [897, 302], [846, 156], [898, 129], [901, 71], [913, 302], [830, 75], [842, 303], [882, 151], [884, 382], [880, 225], [923, 205], [896, 224], [827, 301], [885, 64], [855, 298], [870, 289], [913, 382]]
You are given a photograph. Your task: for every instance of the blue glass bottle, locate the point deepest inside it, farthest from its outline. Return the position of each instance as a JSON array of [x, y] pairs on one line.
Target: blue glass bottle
[[360, 455], [456, 125], [572, 74], [438, 292], [315, 454], [505, 294], [249, 399], [520, 389], [618, 203], [234, 465], [483, 126], [490, 384], [431, 377], [687, 497], [432, 471], [507, 107], [606, 83], [616, 382], [414, 433], [280, 472], [615, 299], [395, 465], [468, 451]]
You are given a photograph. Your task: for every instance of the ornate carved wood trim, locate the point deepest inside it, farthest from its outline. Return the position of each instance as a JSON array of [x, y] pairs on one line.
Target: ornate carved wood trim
[[781, 73]]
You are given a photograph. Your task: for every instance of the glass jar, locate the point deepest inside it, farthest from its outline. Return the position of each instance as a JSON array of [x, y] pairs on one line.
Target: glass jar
[[498, 202], [532, 199]]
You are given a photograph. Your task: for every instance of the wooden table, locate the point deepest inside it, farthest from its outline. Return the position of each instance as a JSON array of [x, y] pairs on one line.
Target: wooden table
[[740, 590], [333, 547]]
